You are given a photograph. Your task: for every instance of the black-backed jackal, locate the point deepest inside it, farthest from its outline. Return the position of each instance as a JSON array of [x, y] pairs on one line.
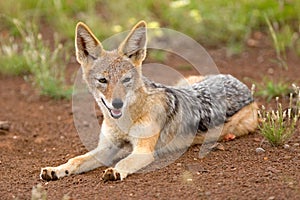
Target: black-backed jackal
[[147, 116]]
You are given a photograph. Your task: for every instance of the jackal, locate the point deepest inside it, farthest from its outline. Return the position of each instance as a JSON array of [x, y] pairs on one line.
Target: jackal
[[149, 117]]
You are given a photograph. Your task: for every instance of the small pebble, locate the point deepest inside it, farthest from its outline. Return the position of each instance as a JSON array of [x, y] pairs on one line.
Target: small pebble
[[286, 146], [217, 146], [85, 123], [271, 198], [291, 183], [296, 145], [287, 157], [179, 164], [260, 150], [273, 170], [257, 140], [14, 137], [189, 179], [270, 71], [207, 193]]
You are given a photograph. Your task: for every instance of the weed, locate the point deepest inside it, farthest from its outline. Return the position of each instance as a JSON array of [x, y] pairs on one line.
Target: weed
[[279, 45], [45, 66], [278, 125], [270, 89], [12, 62], [215, 23], [38, 192]]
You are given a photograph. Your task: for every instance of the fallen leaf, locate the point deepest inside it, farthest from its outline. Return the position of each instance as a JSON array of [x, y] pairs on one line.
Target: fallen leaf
[[229, 136]]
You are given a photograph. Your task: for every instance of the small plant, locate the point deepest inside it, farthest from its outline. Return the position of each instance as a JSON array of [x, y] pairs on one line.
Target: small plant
[[38, 193], [46, 67], [12, 63], [277, 126], [270, 89], [279, 45]]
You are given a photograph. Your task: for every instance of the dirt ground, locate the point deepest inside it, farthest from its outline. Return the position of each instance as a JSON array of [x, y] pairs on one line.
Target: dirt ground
[[42, 134]]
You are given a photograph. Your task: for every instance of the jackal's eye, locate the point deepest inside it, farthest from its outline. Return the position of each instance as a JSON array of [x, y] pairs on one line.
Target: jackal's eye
[[102, 80], [126, 80]]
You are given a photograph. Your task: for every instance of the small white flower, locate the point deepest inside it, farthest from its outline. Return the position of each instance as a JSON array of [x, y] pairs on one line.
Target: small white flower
[[39, 36], [179, 3], [259, 114], [252, 89], [273, 115], [284, 114], [195, 14], [295, 88], [289, 113], [60, 46], [117, 28], [277, 114]]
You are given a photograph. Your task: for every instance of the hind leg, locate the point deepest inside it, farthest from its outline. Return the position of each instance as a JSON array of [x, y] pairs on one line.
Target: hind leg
[[242, 123]]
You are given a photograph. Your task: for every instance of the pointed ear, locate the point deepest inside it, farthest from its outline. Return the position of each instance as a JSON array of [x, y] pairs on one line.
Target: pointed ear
[[134, 46], [86, 44]]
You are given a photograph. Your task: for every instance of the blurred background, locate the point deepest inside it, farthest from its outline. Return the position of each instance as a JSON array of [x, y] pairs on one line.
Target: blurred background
[[37, 36]]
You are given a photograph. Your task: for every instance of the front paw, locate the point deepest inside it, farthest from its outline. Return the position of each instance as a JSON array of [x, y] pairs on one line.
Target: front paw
[[48, 174], [111, 174]]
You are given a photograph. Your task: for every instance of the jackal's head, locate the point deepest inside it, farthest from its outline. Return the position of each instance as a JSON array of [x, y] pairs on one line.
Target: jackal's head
[[112, 76]]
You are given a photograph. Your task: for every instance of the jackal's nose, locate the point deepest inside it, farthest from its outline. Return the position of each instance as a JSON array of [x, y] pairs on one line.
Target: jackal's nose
[[117, 103]]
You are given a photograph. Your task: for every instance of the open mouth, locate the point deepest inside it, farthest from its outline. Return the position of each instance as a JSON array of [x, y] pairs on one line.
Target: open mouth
[[115, 113]]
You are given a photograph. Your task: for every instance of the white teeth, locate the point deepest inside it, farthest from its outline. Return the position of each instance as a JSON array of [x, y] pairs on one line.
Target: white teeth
[[116, 113]]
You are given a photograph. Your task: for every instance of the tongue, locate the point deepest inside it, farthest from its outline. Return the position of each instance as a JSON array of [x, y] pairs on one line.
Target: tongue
[[116, 113]]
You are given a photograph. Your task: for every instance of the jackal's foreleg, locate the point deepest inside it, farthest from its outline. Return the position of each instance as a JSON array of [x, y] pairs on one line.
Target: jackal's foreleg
[[102, 155], [141, 156]]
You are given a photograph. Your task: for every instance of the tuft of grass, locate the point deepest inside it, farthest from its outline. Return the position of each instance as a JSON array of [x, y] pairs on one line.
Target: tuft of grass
[[12, 62], [270, 89], [278, 125], [38, 193], [203, 21], [280, 44], [46, 66]]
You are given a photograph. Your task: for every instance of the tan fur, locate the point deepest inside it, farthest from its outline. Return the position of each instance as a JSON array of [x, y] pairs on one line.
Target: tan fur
[[145, 145], [243, 122], [190, 80]]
